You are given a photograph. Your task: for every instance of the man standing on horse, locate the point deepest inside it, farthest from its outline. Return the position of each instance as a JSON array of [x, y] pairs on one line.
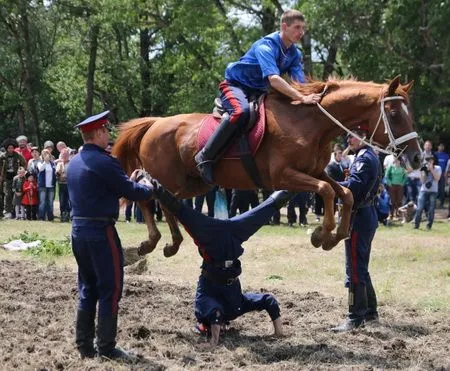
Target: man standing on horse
[[261, 67], [363, 181], [95, 182], [219, 296]]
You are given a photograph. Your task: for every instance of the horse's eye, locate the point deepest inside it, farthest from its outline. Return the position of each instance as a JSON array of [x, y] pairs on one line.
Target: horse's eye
[[394, 113]]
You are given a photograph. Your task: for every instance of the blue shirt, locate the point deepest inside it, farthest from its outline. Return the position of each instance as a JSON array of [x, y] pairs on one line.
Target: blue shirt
[[267, 56], [364, 177], [442, 159], [96, 181]]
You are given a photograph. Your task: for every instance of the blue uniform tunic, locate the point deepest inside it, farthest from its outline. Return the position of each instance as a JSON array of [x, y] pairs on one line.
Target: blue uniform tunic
[[220, 245], [249, 76], [363, 181], [96, 182]]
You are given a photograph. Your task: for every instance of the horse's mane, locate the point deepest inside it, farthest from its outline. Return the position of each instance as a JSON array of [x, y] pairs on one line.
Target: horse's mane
[[333, 84]]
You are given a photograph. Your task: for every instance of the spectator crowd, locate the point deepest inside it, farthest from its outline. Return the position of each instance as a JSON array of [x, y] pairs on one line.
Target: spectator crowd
[[29, 178]]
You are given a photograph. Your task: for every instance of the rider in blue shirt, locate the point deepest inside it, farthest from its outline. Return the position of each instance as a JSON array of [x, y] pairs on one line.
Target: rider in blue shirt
[[261, 67]]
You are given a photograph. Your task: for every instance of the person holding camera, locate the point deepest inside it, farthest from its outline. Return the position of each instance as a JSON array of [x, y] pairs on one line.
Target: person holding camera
[[429, 177]]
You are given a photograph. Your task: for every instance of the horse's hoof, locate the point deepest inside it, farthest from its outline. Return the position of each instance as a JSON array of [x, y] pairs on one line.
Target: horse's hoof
[[170, 250], [316, 238], [329, 244], [146, 247]]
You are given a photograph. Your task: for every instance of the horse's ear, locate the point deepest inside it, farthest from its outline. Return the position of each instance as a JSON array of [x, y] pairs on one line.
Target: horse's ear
[[393, 85], [406, 88]]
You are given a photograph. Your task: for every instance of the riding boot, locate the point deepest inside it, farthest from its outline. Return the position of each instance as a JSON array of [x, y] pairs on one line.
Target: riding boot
[[166, 199], [214, 148], [281, 198], [357, 298], [372, 312], [106, 341], [84, 333]]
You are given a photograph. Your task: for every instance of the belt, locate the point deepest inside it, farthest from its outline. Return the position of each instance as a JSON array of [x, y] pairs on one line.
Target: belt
[[365, 204], [223, 264], [219, 281], [95, 218]]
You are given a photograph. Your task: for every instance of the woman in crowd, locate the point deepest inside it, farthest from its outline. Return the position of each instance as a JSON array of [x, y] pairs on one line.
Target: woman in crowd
[[46, 182], [396, 178]]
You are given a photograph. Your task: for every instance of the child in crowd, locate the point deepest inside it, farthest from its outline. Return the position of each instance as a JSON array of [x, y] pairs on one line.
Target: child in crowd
[[18, 181], [408, 212], [383, 204], [30, 197]]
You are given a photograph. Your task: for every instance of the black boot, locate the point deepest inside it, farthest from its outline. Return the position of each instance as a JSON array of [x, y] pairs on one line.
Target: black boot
[[357, 299], [106, 341], [165, 197], [372, 312], [84, 333], [282, 197], [214, 148]]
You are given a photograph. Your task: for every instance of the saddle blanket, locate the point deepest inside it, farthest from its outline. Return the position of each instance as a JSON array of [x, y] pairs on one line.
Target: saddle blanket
[[255, 135]]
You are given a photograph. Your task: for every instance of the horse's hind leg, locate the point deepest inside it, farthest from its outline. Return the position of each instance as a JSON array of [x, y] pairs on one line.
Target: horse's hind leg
[[177, 238], [153, 233]]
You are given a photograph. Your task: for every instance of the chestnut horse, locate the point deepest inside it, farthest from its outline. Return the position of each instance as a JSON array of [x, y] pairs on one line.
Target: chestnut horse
[[292, 155]]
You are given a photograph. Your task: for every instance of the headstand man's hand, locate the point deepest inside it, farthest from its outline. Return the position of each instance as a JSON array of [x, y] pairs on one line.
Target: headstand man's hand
[[164, 196]]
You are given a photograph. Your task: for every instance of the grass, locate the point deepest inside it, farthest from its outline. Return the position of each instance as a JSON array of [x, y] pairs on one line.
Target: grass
[[408, 267]]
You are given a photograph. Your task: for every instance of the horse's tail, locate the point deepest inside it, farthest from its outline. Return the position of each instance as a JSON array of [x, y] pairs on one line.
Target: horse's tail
[[126, 146]]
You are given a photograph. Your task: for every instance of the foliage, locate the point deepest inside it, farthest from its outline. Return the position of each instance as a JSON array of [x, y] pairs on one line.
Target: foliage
[[168, 56], [47, 248]]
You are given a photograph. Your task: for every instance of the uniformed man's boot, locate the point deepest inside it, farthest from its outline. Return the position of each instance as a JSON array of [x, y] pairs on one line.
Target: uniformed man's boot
[[166, 198], [84, 333], [281, 198], [372, 312], [357, 309], [214, 148], [106, 341]]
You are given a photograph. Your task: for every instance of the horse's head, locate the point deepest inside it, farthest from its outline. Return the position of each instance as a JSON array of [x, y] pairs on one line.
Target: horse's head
[[393, 125]]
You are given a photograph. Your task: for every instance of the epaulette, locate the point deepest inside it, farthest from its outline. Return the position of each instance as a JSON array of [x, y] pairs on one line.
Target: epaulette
[[361, 152]]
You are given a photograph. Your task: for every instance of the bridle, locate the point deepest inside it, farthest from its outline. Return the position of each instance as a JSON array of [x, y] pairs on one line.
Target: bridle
[[392, 147]]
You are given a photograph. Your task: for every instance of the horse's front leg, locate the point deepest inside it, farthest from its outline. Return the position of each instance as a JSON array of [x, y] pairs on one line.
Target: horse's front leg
[[347, 200], [294, 180], [153, 233], [177, 238]]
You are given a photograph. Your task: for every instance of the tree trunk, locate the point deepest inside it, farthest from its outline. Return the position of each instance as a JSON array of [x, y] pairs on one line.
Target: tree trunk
[[307, 59], [328, 68], [93, 46], [30, 79], [145, 72]]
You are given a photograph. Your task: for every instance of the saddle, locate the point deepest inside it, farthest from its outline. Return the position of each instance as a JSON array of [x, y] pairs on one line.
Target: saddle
[[246, 143], [254, 103]]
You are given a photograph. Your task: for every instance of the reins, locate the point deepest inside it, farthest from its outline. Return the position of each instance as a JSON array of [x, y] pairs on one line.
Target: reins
[[391, 148]]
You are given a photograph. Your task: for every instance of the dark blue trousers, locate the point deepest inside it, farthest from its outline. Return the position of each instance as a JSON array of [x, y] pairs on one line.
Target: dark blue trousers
[[99, 256], [209, 231], [358, 247]]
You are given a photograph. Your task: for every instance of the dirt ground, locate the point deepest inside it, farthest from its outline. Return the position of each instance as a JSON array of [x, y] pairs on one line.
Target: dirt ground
[[37, 307]]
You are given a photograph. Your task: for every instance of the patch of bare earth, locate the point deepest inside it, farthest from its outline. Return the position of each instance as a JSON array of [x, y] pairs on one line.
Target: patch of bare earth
[[37, 307]]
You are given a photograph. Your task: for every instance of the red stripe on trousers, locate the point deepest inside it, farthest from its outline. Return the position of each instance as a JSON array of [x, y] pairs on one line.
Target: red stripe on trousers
[[203, 251], [354, 257], [237, 109], [110, 235]]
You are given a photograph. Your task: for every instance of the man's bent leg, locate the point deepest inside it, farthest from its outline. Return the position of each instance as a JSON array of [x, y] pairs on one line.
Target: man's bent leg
[[234, 101], [245, 225]]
